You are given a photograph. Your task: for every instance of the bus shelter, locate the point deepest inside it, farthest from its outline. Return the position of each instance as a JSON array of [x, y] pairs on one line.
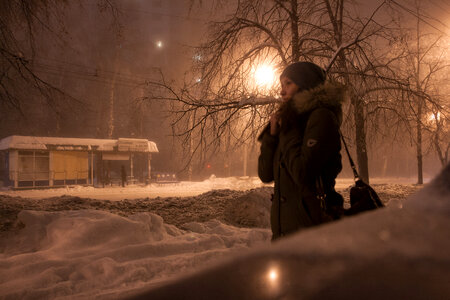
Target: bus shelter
[[30, 162]]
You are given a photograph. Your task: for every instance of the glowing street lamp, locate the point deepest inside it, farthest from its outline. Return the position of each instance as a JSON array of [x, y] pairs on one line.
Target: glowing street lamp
[[264, 76], [262, 80], [272, 275]]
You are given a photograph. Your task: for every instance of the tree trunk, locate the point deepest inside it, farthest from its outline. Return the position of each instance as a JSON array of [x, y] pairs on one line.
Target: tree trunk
[[227, 152], [419, 108], [245, 159], [360, 130], [294, 32], [419, 144], [360, 138], [191, 120], [440, 153], [360, 126]]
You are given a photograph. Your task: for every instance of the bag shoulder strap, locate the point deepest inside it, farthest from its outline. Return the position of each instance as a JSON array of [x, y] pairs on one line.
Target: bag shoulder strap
[[352, 164]]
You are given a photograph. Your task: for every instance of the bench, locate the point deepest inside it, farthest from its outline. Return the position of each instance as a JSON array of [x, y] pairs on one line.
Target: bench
[[165, 178]]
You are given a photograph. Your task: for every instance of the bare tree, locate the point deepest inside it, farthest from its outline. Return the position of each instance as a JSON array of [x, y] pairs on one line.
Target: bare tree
[[274, 33], [355, 51], [421, 64], [22, 24]]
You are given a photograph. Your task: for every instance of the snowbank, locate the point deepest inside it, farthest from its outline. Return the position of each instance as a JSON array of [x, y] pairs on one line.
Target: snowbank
[[89, 253], [398, 252], [65, 246]]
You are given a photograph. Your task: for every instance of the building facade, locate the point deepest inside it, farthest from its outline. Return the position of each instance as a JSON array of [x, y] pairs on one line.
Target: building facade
[[31, 162]]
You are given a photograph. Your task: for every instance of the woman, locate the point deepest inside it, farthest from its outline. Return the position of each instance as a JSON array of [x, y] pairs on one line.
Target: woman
[[300, 150]]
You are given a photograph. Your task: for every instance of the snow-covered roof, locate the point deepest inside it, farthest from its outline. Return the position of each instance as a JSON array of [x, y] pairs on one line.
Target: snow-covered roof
[[59, 143]]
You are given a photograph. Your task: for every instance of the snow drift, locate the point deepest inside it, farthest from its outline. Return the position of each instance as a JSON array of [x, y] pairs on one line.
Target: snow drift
[[59, 246], [89, 253], [398, 252]]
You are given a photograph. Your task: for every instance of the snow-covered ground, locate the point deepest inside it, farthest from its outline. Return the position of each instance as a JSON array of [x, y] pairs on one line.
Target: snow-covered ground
[[96, 252], [398, 252], [89, 253], [182, 189]]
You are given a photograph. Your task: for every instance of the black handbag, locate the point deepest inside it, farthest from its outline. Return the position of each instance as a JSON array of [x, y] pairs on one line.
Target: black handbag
[[362, 196], [331, 203]]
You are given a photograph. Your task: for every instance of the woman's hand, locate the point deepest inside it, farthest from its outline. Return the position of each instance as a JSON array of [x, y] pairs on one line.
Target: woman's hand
[[275, 123]]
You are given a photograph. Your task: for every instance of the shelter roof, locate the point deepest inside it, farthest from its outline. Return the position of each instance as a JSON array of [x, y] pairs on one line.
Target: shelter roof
[[74, 144]]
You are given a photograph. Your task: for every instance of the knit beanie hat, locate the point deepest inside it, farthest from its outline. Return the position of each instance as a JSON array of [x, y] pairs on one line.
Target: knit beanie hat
[[304, 74]]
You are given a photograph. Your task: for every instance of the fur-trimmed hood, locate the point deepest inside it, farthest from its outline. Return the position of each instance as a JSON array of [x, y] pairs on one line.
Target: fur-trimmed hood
[[328, 95]]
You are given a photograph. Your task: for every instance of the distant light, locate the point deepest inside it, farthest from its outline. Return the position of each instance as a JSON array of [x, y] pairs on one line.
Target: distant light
[[433, 117], [159, 44], [198, 80], [273, 275]]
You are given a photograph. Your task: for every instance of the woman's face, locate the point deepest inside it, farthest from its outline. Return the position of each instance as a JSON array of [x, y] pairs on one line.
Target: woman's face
[[288, 88]]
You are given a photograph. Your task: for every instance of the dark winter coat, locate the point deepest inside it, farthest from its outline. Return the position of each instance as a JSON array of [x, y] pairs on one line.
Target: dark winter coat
[[303, 159]]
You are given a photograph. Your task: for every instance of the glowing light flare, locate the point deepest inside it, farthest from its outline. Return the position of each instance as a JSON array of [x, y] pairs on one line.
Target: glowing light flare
[[264, 76], [272, 280], [432, 117], [159, 44], [272, 275]]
